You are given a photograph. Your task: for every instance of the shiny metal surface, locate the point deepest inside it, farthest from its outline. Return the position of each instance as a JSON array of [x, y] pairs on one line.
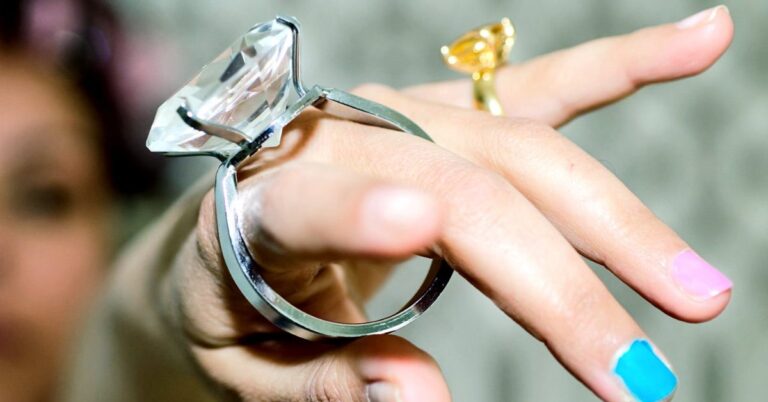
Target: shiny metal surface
[[245, 271]]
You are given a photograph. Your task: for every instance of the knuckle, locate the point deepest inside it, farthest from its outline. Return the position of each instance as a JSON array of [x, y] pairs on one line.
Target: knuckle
[[505, 138], [477, 196], [630, 223], [518, 147], [483, 188], [627, 218], [329, 382], [508, 134], [579, 302], [486, 183], [580, 312]]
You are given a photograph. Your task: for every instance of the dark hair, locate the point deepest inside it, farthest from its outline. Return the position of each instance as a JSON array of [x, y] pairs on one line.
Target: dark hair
[[86, 53]]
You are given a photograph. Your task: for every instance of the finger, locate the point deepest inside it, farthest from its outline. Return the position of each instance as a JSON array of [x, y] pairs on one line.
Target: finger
[[312, 213], [315, 211], [587, 203], [560, 86], [372, 369], [299, 217], [498, 240]]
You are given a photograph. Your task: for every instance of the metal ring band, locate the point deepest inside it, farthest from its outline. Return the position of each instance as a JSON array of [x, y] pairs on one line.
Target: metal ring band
[[480, 52], [245, 271]]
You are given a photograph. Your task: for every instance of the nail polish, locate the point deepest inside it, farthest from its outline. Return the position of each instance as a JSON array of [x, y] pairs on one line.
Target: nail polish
[[645, 376], [697, 277], [701, 18], [382, 392]]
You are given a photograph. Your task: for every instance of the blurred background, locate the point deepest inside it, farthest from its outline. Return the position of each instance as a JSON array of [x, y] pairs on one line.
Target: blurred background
[[694, 151]]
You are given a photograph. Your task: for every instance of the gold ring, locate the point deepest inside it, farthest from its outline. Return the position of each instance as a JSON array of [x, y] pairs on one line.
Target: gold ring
[[480, 52]]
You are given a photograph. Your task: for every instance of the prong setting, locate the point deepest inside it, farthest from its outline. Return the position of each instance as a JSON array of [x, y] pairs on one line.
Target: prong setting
[[295, 26], [236, 142], [228, 133]]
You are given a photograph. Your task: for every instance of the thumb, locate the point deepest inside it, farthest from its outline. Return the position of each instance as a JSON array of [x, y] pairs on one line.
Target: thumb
[[395, 370], [373, 369]]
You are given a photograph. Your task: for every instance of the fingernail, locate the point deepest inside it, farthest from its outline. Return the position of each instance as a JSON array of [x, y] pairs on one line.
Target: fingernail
[[697, 277], [702, 18], [388, 212], [382, 392], [645, 376]]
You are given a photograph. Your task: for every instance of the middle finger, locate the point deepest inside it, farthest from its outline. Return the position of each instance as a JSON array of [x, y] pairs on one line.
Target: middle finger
[[498, 240]]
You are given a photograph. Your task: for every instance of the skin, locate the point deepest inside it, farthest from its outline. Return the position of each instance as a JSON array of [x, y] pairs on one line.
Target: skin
[[54, 226], [511, 203], [492, 187], [508, 201]]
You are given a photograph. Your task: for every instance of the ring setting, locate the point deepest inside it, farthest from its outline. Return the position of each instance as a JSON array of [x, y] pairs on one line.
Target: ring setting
[[240, 103], [480, 52]]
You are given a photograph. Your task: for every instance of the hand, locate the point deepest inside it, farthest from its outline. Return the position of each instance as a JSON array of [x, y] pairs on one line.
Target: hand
[[509, 202]]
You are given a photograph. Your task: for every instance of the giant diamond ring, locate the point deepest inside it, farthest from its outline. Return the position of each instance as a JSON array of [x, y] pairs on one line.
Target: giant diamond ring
[[480, 52], [238, 104]]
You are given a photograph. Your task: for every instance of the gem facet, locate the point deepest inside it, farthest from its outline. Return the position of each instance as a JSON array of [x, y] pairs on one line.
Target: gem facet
[[483, 48], [246, 87], [480, 52]]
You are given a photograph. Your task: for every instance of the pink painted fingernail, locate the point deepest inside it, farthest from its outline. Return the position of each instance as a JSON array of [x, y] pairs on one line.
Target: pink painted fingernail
[[697, 277], [701, 18]]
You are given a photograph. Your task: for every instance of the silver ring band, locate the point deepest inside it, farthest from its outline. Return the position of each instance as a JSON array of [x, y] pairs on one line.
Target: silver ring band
[[245, 271], [243, 268]]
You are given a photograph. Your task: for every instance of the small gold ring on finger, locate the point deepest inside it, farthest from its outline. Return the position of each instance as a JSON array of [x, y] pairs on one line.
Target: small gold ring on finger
[[480, 52]]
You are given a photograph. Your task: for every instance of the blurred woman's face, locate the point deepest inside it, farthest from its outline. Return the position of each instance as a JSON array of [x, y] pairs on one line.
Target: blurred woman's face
[[54, 226]]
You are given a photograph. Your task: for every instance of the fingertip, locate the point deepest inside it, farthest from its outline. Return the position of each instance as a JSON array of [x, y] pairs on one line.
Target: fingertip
[[707, 288], [392, 366], [696, 312], [397, 220], [643, 372], [682, 49], [701, 39], [692, 290]]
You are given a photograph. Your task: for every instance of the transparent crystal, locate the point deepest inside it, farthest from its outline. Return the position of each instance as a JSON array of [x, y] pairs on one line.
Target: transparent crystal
[[246, 87]]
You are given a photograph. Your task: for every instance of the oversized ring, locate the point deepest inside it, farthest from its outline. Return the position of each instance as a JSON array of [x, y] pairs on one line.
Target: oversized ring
[[239, 104], [480, 52]]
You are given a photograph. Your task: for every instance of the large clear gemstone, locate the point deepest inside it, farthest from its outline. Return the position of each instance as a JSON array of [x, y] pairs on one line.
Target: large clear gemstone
[[246, 87]]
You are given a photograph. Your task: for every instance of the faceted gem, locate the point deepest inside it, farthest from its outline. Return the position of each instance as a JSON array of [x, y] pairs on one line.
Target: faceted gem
[[246, 87], [483, 48]]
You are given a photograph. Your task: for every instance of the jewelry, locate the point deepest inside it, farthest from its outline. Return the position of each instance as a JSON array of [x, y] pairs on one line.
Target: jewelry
[[480, 52], [238, 104]]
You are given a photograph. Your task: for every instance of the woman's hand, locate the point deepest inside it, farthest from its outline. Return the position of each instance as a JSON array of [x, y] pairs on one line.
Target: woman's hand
[[509, 202]]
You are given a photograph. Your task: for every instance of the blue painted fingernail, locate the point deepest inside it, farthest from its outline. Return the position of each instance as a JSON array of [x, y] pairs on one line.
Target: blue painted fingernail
[[644, 374]]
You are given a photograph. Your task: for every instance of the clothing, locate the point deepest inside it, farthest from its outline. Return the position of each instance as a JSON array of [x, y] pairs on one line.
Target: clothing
[[689, 150], [128, 352]]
